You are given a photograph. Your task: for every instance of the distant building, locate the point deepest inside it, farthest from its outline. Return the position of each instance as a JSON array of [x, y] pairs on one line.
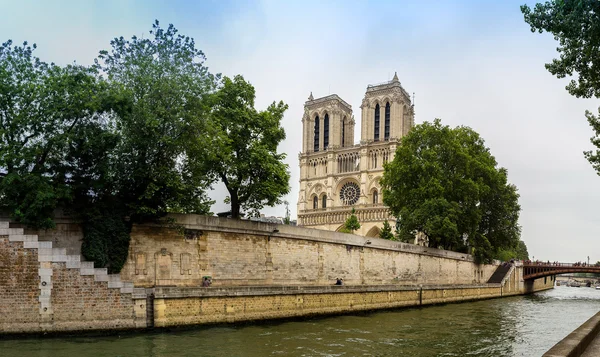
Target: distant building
[[335, 174]]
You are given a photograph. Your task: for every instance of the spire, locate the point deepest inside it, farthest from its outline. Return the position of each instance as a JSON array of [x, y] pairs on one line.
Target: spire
[[395, 79], [310, 97]]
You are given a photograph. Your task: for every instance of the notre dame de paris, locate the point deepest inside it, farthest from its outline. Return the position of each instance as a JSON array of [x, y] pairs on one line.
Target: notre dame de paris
[[336, 174]]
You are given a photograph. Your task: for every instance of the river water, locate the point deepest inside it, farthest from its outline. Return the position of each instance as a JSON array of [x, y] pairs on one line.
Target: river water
[[515, 326]]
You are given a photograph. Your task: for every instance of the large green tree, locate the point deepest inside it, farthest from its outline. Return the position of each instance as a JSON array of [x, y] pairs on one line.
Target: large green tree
[[243, 152], [54, 135], [575, 25], [164, 81], [444, 183]]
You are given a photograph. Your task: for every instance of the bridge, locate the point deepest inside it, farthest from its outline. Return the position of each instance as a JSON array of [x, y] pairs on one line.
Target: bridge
[[534, 270]]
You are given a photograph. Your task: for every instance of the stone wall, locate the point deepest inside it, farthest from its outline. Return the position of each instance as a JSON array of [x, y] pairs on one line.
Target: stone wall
[[44, 289], [235, 252], [191, 306], [285, 272]]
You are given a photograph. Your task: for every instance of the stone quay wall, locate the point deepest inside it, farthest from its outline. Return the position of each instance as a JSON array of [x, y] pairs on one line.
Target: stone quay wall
[[44, 290], [260, 271], [241, 253], [197, 306]]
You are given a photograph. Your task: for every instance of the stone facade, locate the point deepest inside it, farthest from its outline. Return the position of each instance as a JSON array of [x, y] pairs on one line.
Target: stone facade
[[335, 174]]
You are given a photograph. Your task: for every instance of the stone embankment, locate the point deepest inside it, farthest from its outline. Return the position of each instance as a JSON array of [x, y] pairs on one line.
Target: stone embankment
[[583, 342], [43, 289], [259, 271]]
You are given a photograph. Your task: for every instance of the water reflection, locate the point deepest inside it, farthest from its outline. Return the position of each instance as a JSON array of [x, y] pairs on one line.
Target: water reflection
[[517, 326]]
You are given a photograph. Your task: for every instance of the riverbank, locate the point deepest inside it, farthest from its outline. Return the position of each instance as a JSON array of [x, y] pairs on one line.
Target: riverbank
[[259, 272], [191, 306], [526, 326]]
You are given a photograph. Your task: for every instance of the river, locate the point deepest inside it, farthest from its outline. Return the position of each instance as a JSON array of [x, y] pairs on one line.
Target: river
[[515, 326]]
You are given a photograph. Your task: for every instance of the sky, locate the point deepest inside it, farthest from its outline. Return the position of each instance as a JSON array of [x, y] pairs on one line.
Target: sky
[[472, 63]]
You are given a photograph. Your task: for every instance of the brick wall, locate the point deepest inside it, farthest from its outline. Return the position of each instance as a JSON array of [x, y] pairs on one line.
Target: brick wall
[[44, 289], [81, 303], [19, 287]]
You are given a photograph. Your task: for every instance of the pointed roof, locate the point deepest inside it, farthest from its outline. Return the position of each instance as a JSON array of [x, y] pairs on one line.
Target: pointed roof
[[310, 97], [395, 79]]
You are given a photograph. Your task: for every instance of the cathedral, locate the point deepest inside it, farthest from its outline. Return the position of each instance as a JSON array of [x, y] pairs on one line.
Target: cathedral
[[336, 174]]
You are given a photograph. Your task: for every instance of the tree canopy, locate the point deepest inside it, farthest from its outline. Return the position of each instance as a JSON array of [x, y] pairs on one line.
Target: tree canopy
[[165, 84], [574, 25], [444, 183], [386, 232], [243, 151], [144, 131], [351, 224]]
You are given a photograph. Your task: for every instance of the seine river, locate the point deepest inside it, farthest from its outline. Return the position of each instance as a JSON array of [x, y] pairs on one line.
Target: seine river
[[516, 326]]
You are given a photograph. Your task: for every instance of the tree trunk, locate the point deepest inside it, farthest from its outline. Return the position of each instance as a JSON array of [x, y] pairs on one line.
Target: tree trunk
[[235, 206]]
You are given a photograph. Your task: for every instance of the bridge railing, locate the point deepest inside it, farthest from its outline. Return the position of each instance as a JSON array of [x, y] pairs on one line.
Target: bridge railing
[[557, 264]]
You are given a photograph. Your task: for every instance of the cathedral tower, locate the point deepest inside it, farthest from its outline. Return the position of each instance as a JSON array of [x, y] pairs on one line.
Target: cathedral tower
[[336, 174]]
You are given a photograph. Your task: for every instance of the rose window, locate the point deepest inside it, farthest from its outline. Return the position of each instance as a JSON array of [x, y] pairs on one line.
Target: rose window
[[349, 193]]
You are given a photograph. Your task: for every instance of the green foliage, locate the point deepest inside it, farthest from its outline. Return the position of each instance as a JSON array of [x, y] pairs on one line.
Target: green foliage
[[143, 132], [386, 232], [444, 183], [574, 25], [165, 84], [106, 237], [46, 111], [351, 223], [243, 147], [519, 252]]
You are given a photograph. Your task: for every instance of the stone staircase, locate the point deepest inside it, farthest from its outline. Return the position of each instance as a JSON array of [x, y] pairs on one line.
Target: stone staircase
[[48, 255], [500, 274]]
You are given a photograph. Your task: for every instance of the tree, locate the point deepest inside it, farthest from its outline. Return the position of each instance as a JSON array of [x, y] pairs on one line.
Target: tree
[[165, 84], [386, 232], [351, 223], [54, 135], [444, 183], [243, 152], [574, 25]]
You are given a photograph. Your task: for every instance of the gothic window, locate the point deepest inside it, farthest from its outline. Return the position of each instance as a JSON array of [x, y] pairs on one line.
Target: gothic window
[[376, 137], [387, 122], [349, 193], [326, 131], [375, 197], [324, 203], [343, 131], [316, 134], [315, 202]]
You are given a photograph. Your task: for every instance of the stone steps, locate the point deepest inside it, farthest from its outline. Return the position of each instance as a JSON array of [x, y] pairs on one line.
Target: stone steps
[[46, 253]]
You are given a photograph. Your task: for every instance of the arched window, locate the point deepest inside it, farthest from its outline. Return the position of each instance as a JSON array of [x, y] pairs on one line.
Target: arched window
[[316, 134], [376, 137], [375, 197], [387, 122], [326, 131], [343, 131], [324, 202], [315, 202]]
